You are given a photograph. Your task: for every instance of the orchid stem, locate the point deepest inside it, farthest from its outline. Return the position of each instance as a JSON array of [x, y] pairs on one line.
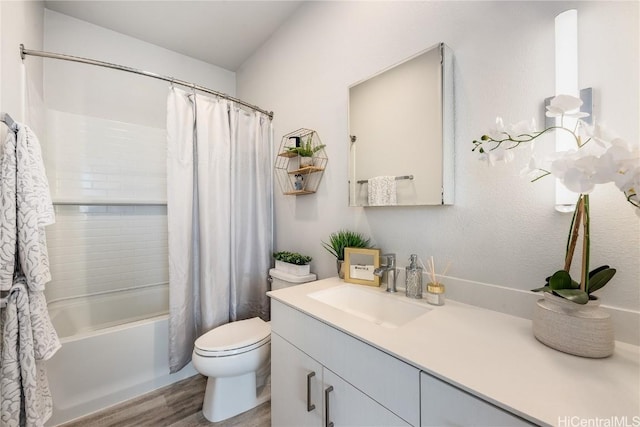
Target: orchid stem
[[584, 283], [573, 233]]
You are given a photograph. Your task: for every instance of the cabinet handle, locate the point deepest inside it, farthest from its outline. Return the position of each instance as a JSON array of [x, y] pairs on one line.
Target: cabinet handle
[[327, 423], [310, 406]]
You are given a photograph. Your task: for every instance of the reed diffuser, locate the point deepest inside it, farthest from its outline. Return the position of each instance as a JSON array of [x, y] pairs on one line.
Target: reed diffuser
[[435, 289]]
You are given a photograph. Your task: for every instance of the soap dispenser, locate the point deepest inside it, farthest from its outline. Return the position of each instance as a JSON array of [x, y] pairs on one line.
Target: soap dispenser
[[413, 281]]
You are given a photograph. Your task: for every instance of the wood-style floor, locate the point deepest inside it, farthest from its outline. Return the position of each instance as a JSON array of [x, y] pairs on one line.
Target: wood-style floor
[[177, 405]]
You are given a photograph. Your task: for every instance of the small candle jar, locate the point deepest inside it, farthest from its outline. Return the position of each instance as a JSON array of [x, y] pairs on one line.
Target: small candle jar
[[435, 293]]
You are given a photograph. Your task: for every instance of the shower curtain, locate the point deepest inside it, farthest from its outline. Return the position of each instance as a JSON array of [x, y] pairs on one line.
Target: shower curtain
[[219, 217]]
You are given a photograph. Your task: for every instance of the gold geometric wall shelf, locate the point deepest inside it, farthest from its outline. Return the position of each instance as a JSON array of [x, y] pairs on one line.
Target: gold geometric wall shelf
[[300, 162]]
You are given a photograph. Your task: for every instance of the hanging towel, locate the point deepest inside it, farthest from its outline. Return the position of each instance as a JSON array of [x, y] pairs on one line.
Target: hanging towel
[[28, 339], [382, 191], [25, 202], [8, 231]]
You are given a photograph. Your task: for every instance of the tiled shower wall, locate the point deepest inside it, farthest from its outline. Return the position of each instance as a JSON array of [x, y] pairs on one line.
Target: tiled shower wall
[[122, 241]]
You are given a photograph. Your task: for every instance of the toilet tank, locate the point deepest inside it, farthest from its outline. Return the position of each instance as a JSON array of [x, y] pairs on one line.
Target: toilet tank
[[280, 279]]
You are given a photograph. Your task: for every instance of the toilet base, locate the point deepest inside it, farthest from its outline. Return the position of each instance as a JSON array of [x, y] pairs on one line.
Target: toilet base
[[227, 397]]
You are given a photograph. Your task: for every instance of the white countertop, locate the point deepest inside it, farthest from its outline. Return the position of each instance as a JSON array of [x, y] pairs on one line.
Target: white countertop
[[495, 357]]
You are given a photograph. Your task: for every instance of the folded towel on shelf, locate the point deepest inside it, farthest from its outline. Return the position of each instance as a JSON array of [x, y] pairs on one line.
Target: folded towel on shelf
[[382, 191]]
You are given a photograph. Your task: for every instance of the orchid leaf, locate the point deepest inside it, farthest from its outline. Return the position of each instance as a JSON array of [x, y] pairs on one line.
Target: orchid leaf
[[597, 270], [561, 279], [600, 278], [542, 289], [575, 295]]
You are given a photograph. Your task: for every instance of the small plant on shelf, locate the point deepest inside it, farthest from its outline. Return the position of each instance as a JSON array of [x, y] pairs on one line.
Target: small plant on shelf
[[306, 149]]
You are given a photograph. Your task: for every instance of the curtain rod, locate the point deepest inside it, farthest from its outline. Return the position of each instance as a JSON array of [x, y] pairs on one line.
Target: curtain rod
[[24, 52]]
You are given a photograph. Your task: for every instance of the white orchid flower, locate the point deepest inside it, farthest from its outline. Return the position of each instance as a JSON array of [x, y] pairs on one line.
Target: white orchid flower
[[599, 157], [565, 106], [498, 132], [536, 168], [577, 171], [522, 129], [623, 163], [494, 153], [498, 144]]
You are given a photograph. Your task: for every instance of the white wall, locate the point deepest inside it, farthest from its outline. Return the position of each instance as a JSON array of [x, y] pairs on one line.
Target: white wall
[[502, 229], [101, 92]]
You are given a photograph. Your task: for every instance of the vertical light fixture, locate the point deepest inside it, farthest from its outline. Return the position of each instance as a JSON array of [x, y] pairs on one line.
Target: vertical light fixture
[[566, 48]]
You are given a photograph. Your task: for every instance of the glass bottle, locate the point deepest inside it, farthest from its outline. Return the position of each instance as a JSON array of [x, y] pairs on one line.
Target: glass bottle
[[413, 280]]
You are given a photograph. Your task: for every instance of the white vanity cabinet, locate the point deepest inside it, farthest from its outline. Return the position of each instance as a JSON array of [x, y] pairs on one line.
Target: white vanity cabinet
[[305, 393], [442, 404], [355, 383], [443, 368], [296, 386]]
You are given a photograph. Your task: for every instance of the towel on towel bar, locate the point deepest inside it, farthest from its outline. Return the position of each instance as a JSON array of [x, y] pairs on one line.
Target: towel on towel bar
[[382, 191], [28, 339], [22, 159]]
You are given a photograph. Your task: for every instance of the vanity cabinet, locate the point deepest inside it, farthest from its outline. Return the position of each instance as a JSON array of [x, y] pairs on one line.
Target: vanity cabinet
[[442, 404], [296, 386], [305, 393], [367, 387]]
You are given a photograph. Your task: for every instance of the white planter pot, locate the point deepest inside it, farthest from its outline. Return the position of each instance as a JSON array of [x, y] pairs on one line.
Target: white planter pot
[[306, 162], [582, 330], [297, 270]]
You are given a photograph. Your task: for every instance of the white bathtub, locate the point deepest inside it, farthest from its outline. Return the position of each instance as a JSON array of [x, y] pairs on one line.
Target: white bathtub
[[114, 347]]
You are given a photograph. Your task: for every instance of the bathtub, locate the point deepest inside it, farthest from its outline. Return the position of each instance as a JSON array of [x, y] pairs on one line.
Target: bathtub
[[114, 347]]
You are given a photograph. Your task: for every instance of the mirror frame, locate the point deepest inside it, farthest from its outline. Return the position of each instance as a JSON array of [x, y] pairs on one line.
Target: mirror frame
[[447, 110]]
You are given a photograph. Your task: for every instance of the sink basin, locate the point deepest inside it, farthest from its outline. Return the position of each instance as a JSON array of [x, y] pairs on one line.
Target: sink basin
[[388, 311]]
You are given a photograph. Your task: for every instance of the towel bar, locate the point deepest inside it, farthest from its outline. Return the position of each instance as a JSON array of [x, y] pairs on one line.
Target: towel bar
[[398, 178]]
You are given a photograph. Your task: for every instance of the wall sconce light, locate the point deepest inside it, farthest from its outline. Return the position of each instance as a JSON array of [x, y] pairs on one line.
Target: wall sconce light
[[566, 71]]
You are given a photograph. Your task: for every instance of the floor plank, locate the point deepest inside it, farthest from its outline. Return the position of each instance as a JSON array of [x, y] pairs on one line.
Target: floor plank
[[177, 405]]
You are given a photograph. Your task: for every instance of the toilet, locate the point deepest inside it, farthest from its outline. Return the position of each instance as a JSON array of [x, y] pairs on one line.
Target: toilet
[[234, 355]]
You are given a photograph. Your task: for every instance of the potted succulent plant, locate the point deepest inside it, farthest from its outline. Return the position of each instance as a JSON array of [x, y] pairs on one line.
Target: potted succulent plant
[[306, 150], [293, 263], [344, 239]]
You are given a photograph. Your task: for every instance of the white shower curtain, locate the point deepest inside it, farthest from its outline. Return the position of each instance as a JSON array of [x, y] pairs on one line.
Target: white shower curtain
[[219, 217]]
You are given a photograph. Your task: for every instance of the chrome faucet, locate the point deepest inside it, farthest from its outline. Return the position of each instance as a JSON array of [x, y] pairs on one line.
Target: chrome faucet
[[388, 266]]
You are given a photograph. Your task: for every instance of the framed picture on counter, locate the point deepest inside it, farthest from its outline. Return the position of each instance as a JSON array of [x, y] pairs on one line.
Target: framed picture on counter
[[359, 264]]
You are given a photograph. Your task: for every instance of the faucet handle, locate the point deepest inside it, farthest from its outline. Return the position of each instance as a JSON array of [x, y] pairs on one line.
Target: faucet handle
[[390, 260]]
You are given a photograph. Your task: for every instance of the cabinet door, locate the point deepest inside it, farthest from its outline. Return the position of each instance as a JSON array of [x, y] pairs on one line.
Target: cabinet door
[[292, 371], [445, 405], [347, 406]]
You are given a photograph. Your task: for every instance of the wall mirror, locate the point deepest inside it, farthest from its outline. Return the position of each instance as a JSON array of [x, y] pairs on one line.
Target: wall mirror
[[401, 133]]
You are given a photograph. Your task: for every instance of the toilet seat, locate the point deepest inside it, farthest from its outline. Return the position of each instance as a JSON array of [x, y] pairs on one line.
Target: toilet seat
[[234, 338]]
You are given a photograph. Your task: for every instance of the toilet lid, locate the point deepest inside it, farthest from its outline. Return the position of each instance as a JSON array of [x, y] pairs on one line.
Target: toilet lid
[[234, 336]]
